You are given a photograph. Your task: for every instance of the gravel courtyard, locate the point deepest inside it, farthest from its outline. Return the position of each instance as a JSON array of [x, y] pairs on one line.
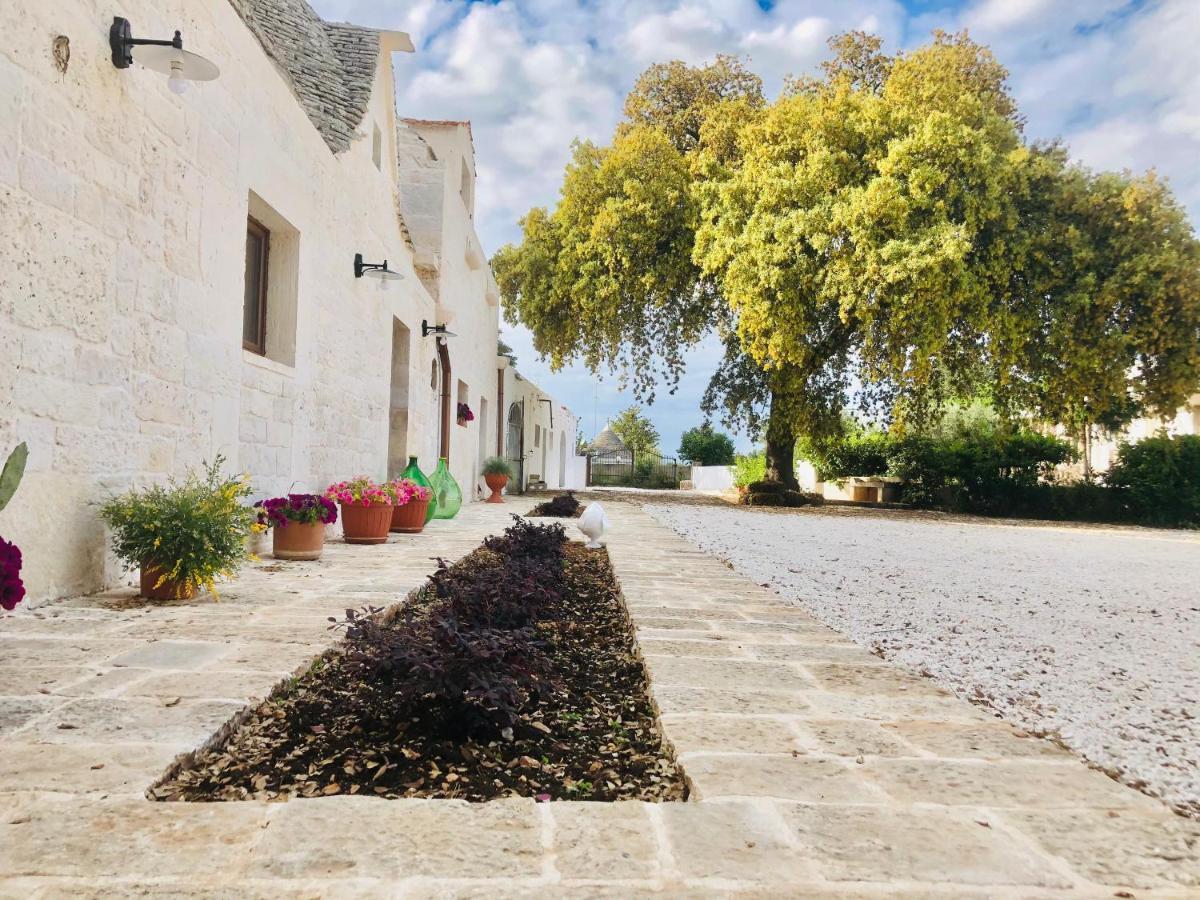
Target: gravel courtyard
[[1089, 635]]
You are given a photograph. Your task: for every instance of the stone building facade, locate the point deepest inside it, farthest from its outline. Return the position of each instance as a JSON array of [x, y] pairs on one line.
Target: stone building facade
[[131, 217]]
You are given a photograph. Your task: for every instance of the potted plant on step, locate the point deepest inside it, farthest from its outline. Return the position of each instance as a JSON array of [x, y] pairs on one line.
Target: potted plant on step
[[297, 524], [366, 509], [183, 535], [496, 472], [410, 503]]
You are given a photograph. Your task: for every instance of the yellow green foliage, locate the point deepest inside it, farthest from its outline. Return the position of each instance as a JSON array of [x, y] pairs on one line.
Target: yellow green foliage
[[881, 237], [193, 530]]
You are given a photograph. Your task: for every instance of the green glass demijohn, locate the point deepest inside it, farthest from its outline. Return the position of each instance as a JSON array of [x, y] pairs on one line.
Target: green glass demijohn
[[446, 492], [414, 473]]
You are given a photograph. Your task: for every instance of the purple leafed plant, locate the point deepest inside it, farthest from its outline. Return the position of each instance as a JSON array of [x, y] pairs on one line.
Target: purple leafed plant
[[12, 590], [471, 659]]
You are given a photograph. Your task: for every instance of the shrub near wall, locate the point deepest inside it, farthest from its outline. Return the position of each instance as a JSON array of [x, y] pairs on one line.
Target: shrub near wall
[[1158, 479], [996, 473], [748, 468]]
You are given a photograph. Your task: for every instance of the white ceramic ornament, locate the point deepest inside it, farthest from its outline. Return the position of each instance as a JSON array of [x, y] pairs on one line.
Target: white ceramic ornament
[[593, 523]]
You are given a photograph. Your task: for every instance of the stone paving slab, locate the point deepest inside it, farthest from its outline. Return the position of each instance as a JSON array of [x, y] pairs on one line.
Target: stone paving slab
[[817, 769]]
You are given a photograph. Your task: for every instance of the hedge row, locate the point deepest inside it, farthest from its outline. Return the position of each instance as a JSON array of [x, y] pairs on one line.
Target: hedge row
[[1155, 481]]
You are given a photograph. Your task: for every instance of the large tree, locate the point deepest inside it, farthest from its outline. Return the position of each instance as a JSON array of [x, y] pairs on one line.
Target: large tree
[[1101, 318], [881, 237], [635, 430]]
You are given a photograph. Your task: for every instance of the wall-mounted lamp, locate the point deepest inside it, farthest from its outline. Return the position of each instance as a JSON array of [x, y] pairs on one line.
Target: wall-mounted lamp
[[441, 331], [167, 57], [375, 270]]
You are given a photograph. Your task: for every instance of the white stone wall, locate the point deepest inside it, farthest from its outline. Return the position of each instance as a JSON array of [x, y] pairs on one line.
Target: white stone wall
[[712, 479], [123, 209], [1104, 449], [549, 450]]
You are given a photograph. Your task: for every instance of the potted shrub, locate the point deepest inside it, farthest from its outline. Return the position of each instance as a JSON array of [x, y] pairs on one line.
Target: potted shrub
[[185, 535], [366, 509], [496, 472], [297, 524], [464, 414], [410, 503]]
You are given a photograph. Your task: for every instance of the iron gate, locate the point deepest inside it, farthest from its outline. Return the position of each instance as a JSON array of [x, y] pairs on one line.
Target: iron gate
[[633, 468]]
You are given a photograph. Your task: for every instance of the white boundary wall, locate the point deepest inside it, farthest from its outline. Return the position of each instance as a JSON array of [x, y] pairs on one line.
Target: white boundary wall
[[712, 479]]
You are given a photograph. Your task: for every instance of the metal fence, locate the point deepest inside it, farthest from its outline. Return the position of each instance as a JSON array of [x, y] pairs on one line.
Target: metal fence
[[629, 468]]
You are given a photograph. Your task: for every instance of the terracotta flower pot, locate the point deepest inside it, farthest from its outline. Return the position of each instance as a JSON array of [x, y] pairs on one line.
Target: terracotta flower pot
[[366, 524], [298, 540], [168, 590], [497, 484], [410, 518]]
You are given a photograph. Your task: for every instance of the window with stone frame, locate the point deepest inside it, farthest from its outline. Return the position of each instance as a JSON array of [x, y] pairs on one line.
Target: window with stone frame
[[272, 284], [254, 307]]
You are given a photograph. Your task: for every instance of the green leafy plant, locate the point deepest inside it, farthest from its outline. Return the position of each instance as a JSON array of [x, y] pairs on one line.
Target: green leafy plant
[[1160, 479], [497, 465], [194, 531], [10, 475], [748, 468]]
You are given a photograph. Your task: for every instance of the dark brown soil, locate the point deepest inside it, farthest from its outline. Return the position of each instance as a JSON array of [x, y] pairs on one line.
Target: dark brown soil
[[595, 737]]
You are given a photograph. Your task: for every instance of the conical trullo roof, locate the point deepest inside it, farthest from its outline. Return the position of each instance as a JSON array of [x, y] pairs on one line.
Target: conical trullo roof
[[607, 441]]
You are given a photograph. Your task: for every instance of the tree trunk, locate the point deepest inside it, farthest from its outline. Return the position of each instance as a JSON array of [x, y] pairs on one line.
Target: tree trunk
[[781, 446]]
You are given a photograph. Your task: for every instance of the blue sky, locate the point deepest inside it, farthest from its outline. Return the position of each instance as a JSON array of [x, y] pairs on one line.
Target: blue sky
[[1116, 79]]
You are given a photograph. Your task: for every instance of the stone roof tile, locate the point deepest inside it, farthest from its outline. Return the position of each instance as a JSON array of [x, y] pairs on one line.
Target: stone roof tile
[[331, 66]]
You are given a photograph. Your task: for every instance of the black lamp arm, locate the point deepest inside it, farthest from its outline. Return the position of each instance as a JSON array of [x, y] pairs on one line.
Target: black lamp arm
[[176, 42], [120, 39]]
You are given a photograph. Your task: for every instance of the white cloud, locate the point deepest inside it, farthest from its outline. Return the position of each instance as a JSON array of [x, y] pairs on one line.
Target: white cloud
[[1116, 79]]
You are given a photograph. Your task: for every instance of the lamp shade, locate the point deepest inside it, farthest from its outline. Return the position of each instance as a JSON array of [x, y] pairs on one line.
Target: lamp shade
[[174, 60], [384, 274]]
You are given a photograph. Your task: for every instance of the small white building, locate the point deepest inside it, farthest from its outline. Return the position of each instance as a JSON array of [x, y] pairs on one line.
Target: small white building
[[178, 279]]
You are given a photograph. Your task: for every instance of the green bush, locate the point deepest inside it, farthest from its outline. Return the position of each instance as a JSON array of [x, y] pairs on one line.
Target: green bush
[[749, 467], [989, 473], [1159, 479], [864, 455], [194, 531], [702, 446]]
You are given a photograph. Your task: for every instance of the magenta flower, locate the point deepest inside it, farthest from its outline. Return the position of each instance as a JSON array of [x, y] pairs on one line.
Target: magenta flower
[[361, 491], [277, 512], [12, 589]]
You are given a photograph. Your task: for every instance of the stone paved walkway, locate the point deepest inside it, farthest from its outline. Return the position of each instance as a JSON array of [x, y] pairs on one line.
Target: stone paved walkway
[[817, 770]]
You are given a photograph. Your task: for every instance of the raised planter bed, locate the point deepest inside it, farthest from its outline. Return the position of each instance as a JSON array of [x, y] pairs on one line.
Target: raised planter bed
[[591, 731]]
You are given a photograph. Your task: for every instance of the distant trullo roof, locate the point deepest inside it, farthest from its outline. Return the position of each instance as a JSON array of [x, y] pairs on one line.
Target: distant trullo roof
[[607, 441]]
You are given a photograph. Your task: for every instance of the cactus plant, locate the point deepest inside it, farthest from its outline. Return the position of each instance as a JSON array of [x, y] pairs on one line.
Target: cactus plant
[[10, 476]]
